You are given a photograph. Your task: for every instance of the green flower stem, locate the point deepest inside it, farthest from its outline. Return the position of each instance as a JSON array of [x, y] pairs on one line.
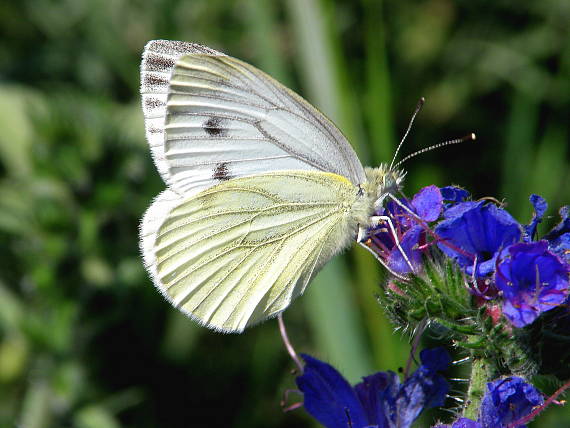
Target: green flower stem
[[478, 343], [476, 390]]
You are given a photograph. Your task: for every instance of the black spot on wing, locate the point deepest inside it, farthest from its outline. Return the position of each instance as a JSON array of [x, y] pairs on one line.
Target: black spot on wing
[[213, 127], [221, 172]]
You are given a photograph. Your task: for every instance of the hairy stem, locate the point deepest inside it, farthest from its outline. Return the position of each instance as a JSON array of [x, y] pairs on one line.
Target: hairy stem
[[477, 384]]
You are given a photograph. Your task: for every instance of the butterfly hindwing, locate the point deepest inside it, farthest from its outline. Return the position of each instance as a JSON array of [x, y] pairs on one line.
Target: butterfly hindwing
[[241, 251]]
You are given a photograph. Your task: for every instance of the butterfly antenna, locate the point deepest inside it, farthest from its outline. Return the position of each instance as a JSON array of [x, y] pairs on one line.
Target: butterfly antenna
[[414, 114], [470, 137]]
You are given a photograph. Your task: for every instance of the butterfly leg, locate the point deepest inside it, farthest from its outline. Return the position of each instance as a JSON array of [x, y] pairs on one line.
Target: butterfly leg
[[382, 262], [376, 221], [380, 201]]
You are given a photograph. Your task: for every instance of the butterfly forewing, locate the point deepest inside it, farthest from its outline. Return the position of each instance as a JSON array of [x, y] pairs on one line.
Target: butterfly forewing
[[158, 61], [239, 252], [210, 117]]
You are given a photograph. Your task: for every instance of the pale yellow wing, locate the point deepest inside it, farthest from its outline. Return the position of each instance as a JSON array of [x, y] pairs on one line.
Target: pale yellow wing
[[241, 251]]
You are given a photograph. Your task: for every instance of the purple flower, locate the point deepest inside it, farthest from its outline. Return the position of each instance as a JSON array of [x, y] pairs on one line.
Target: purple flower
[[477, 232], [508, 400], [533, 280], [380, 400], [427, 205], [505, 402]]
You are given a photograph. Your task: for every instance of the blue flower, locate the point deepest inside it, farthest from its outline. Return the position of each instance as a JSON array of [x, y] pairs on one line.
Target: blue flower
[[506, 401], [561, 246], [532, 279], [562, 227], [454, 194], [425, 388], [559, 237], [380, 400], [427, 205], [473, 231], [330, 399], [540, 207]]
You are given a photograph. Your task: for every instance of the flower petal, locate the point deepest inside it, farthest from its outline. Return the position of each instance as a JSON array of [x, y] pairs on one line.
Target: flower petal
[[532, 279], [410, 241], [428, 203], [425, 388], [328, 397], [454, 194], [370, 393], [508, 400], [540, 207], [561, 247], [475, 230], [562, 227]]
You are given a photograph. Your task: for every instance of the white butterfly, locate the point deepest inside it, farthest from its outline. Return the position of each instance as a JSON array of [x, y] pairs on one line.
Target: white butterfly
[[262, 189]]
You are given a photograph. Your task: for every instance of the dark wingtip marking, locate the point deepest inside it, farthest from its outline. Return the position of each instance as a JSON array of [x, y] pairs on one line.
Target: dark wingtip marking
[[153, 130], [154, 81], [155, 62], [221, 172], [153, 103], [213, 127]]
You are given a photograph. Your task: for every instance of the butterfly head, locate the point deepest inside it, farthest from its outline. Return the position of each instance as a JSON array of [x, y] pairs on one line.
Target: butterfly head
[[381, 181]]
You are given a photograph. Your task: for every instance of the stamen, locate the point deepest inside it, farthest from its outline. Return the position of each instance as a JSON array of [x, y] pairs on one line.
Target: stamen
[[285, 398]]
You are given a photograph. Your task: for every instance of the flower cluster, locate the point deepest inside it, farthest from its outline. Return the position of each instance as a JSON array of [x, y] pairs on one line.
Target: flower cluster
[[482, 279], [501, 257], [380, 400]]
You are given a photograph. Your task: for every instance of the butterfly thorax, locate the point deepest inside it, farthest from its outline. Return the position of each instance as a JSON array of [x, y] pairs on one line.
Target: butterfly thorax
[[381, 181]]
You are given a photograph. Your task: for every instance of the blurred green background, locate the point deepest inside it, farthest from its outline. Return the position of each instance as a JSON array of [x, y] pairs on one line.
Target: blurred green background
[[85, 340]]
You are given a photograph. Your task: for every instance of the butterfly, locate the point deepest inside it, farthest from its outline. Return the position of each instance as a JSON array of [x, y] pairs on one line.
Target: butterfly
[[261, 188]]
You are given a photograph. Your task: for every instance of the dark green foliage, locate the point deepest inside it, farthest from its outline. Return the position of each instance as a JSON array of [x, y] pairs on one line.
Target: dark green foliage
[[549, 341]]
